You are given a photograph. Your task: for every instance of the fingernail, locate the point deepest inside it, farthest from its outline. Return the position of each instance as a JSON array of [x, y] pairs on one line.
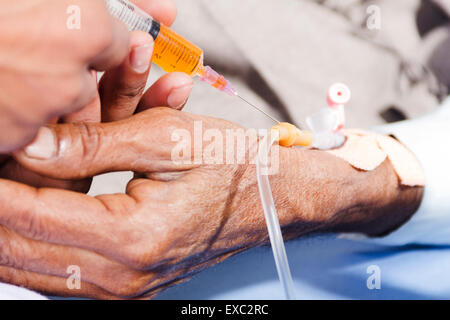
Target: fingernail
[[140, 58], [44, 145], [179, 96]]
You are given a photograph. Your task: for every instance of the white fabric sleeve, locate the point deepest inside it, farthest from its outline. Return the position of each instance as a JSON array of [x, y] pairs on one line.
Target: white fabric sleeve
[[10, 292], [429, 139]]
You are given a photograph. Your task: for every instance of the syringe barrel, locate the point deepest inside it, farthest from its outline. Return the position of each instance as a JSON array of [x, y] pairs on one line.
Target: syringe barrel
[[171, 51]]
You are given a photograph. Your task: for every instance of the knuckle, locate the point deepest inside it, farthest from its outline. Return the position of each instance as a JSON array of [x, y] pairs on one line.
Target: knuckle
[[34, 228], [123, 291], [131, 92], [7, 274], [14, 276], [91, 139], [137, 257], [162, 117], [5, 249], [143, 256], [129, 286], [163, 113], [33, 225], [141, 250]]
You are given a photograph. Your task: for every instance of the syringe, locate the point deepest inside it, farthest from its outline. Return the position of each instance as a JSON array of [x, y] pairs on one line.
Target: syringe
[[171, 51]]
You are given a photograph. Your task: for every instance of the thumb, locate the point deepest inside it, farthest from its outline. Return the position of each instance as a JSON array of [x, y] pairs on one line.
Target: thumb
[[142, 143]]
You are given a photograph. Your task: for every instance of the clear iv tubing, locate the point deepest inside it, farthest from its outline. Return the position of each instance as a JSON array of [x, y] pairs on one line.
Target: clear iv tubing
[[270, 213]]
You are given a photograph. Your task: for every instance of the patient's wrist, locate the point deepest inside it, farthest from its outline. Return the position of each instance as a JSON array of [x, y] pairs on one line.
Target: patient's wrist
[[334, 196], [381, 188], [316, 191]]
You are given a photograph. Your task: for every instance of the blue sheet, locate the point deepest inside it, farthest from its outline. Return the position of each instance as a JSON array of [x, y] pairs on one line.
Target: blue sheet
[[324, 267]]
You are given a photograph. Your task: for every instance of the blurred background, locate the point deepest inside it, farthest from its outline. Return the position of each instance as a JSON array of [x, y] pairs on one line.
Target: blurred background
[[283, 55]]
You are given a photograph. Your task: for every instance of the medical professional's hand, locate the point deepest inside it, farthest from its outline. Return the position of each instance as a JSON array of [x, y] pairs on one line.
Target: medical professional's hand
[[175, 219], [120, 91], [46, 63]]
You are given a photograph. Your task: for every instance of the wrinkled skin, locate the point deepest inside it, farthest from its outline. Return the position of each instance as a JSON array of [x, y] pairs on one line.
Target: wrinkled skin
[[174, 219]]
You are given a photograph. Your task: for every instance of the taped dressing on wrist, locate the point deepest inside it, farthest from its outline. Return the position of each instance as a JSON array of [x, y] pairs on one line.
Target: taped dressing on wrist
[[366, 151]]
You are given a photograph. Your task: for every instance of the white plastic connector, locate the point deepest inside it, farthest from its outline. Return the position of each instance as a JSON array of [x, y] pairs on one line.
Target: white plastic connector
[[323, 124], [328, 122], [338, 95]]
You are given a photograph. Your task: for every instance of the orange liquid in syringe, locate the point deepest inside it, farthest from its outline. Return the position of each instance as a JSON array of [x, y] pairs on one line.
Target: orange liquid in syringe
[[174, 53]]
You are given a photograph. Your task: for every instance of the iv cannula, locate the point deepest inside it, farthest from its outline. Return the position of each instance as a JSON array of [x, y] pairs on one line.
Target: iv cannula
[[171, 51]]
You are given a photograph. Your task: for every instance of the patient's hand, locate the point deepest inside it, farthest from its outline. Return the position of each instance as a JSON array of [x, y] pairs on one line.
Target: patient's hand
[[175, 219]]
